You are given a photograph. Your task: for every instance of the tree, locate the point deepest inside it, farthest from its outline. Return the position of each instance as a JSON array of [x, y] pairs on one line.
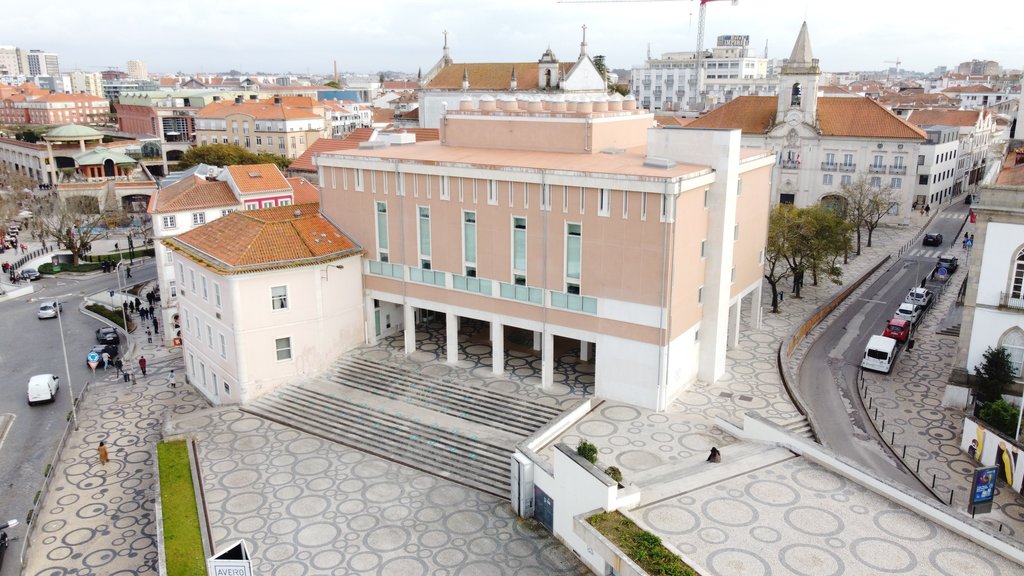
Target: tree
[[602, 68], [332, 84], [69, 223], [994, 374], [802, 240], [831, 240], [865, 206], [1001, 416], [775, 269], [229, 155]]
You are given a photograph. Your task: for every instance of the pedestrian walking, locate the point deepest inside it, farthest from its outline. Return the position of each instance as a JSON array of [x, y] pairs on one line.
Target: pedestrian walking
[[149, 336], [142, 313], [127, 272], [115, 247], [173, 383], [156, 325], [126, 375], [928, 209], [106, 360], [131, 307], [149, 298], [102, 449], [119, 365], [142, 365], [138, 303]]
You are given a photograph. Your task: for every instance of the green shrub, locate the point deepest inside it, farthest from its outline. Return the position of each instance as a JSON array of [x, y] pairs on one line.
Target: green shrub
[[614, 473], [588, 451], [183, 541], [643, 547], [994, 374], [80, 267], [1001, 416], [46, 472], [113, 314], [119, 255]]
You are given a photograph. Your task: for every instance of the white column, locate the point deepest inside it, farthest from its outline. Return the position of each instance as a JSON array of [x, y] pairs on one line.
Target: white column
[[547, 361], [409, 314], [584, 351], [451, 322], [497, 348], [755, 306], [537, 336], [735, 311]]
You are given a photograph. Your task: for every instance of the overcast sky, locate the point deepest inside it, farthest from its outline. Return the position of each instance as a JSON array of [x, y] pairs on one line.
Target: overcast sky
[[405, 35]]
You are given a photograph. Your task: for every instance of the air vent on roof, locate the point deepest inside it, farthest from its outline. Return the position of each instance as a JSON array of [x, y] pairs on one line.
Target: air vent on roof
[[255, 175], [657, 162], [613, 150], [298, 212]]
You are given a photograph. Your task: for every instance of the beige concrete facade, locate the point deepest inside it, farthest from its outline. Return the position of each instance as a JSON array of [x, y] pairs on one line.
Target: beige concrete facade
[[524, 186]]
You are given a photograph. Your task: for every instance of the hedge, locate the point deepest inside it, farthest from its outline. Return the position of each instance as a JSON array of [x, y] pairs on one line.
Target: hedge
[[120, 255], [643, 547], [81, 267], [183, 541], [113, 314]]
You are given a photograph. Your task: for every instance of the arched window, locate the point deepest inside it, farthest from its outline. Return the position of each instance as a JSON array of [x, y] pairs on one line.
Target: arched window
[[1013, 342], [1017, 282], [795, 99]]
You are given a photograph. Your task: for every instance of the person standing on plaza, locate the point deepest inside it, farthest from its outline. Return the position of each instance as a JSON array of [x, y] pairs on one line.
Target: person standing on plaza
[[156, 325], [142, 365], [102, 449], [173, 383], [127, 272], [119, 365]]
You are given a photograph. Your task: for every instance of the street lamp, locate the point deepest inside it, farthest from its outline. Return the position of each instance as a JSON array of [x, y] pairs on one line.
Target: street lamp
[[67, 368], [124, 314]]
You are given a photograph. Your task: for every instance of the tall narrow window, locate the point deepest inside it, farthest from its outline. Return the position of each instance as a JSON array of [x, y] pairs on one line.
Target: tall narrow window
[[625, 204], [469, 242], [359, 179], [279, 297], [424, 236], [545, 197], [604, 201], [583, 199], [492, 192], [643, 205], [565, 199], [382, 231], [519, 250], [1017, 283], [573, 252]]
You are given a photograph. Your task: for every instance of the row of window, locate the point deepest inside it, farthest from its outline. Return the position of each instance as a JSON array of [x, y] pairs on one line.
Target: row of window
[[878, 160], [170, 221], [923, 178], [875, 182]]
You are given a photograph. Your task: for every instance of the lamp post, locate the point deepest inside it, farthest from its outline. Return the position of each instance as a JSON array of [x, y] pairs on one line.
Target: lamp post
[[124, 313], [67, 368], [131, 248]]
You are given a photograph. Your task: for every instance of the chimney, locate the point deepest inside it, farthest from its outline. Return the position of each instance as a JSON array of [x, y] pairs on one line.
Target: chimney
[[277, 99], [238, 99], [216, 98]]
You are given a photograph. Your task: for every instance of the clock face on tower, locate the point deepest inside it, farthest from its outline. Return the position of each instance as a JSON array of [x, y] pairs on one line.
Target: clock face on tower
[[794, 117]]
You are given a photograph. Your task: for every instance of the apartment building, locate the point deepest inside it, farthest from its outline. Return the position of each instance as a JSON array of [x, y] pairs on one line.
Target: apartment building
[[42, 63], [822, 142], [137, 70], [938, 176], [974, 130], [569, 224], [281, 125], [668, 83], [345, 116], [30, 105], [78, 82]]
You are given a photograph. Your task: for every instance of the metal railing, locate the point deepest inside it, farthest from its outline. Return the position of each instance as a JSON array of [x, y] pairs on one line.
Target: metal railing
[[829, 166], [790, 164], [847, 167], [898, 170], [874, 169], [1011, 300]]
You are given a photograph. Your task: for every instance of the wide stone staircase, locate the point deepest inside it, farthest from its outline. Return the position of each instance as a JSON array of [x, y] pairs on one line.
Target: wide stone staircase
[[436, 425]]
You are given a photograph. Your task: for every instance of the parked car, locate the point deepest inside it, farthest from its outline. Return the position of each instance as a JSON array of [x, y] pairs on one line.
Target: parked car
[[949, 262], [908, 312], [971, 199], [932, 239], [107, 335], [42, 388], [99, 349], [920, 296], [897, 329], [49, 309], [29, 274]]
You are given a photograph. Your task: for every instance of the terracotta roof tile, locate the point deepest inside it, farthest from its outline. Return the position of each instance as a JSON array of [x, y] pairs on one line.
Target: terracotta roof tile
[[192, 193], [944, 117], [253, 240], [257, 178], [304, 163], [383, 115], [262, 110], [491, 76], [304, 191], [973, 88], [837, 116]]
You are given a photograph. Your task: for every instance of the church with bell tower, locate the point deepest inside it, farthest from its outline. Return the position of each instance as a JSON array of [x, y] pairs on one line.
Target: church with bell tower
[[822, 143]]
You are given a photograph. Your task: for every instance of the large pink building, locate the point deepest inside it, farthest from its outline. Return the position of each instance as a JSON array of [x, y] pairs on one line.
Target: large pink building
[[573, 220]]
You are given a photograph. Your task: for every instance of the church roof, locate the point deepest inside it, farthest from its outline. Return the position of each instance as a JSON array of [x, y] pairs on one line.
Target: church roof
[[840, 117], [802, 49], [491, 76]]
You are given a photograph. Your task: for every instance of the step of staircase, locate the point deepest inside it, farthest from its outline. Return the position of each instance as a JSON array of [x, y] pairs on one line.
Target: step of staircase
[[473, 404], [951, 331], [456, 455], [799, 426]]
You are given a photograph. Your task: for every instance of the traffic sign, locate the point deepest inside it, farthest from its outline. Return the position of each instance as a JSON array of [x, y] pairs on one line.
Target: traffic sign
[[942, 272], [93, 357]]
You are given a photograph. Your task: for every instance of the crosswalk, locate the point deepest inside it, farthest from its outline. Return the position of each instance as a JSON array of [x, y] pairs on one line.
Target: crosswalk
[[928, 253]]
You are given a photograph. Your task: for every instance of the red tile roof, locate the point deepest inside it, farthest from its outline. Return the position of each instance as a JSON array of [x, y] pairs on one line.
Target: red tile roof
[[944, 117], [257, 178], [192, 193], [837, 117], [262, 110], [491, 76], [304, 191], [256, 240]]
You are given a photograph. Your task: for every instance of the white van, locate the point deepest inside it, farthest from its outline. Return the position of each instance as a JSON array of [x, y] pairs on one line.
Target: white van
[[879, 354], [42, 388]]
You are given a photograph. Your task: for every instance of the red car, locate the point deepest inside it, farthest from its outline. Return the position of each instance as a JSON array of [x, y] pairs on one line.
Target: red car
[[897, 329]]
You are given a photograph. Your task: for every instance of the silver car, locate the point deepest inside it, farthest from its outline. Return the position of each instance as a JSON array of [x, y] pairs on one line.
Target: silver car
[[49, 310]]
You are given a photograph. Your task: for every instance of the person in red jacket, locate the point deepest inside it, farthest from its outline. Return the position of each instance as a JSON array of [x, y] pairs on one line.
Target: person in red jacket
[[142, 364]]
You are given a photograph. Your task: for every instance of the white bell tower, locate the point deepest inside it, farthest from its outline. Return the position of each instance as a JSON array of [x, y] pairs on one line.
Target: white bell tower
[[798, 83]]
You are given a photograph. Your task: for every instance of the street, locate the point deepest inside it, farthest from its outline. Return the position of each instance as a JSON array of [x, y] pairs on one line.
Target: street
[[30, 346], [837, 353]]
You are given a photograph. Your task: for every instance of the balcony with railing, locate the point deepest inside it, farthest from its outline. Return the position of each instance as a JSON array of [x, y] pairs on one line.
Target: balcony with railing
[[847, 167], [1011, 300], [898, 170], [386, 269], [790, 164], [472, 284], [829, 166], [522, 293], [573, 302], [876, 169], [424, 276]]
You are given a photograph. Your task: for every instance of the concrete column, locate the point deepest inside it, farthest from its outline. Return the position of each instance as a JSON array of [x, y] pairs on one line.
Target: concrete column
[[736, 311], [371, 327], [755, 306], [497, 348], [547, 364], [53, 163], [537, 337], [584, 351], [409, 314], [451, 322]]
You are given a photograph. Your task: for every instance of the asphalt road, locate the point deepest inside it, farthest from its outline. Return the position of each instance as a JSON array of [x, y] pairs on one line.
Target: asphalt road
[[30, 346], [842, 424]]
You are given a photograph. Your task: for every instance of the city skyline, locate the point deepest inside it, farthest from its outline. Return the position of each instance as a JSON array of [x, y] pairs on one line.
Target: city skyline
[[309, 38]]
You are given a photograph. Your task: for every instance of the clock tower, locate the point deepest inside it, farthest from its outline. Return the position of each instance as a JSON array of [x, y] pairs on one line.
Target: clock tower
[[798, 85]]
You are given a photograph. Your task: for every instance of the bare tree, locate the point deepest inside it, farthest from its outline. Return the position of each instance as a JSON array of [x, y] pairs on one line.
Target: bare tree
[[70, 223], [866, 205]]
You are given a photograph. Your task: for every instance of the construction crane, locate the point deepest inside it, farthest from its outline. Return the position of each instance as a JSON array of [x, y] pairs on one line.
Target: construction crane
[[699, 98], [897, 62]]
